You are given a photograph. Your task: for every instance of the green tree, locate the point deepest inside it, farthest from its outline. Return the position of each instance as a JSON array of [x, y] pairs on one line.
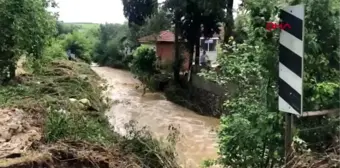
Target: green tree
[[26, 27], [190, 17], [177, 9], [201, 14], [228, 21], [64, 28], [137, 11], [110, 48], [155, 23]]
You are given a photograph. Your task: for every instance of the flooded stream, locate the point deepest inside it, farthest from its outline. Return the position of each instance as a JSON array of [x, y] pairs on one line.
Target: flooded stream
[[197, 138]]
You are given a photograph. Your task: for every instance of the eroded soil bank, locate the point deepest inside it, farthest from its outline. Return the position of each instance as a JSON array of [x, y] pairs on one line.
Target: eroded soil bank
[[55, 118]]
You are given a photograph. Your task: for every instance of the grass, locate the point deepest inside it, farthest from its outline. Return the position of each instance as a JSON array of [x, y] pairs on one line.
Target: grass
[[49, 91], [51, 94]]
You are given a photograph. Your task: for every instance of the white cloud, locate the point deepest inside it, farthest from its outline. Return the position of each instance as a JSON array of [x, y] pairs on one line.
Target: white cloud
[[96, 11]]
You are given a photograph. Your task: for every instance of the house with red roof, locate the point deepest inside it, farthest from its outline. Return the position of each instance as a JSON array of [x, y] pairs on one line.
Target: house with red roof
[[164, 44]]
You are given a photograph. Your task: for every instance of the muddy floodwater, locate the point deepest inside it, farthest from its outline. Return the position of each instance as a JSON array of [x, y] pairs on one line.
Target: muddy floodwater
[[197, 136]]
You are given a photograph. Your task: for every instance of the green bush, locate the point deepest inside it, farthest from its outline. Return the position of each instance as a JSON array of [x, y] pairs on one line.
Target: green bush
[[79, 45], [55, 51], [77, 126], [144, 61], [111, 46], [150, 151], [109, 54], [251, 135]]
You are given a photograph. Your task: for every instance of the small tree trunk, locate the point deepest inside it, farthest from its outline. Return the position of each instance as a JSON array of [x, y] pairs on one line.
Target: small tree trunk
[[176, 65], [229, 22], [197, 52], [191, 57], [8, 70], [12, 68]]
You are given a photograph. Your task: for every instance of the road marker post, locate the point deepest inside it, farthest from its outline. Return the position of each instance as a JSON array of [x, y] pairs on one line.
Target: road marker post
[[291, 52]]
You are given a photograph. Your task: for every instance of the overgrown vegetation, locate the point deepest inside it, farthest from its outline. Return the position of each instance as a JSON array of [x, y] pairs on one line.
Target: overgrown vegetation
[[110, 49], [62, 99], [17, 35], [251, 135], [144, 61]]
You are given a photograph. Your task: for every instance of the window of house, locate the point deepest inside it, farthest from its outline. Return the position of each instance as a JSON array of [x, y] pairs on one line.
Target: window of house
[[208, 44]]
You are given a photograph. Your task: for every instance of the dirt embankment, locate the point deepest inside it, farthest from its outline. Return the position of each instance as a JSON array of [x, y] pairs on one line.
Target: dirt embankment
[[54, 117], [16, 132], [21, 146]]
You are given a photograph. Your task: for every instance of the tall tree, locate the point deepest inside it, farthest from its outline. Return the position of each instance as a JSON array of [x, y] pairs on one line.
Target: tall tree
[[194, 18], [229, 21], [155, 23], [177, 8], [191, 28], [201, 19], [136, 11]]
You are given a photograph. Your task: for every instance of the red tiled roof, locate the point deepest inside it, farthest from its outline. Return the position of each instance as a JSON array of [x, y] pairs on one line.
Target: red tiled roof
[[163, 36], [166, 36]]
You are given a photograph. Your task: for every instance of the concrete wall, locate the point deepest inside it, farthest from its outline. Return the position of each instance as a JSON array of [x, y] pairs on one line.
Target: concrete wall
[[212, 55], [204, 97], [209, 86], [209, 97]]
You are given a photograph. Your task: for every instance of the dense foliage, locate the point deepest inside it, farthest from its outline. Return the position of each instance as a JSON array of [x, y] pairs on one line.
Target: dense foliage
[[155, 23], [196, 19], [63, 28], [26, 27], [109, 50], [251, 135], [77, 43], [117, 42]]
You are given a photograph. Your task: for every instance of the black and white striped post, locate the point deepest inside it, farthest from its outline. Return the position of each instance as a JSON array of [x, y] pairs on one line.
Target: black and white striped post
[[291, 51]]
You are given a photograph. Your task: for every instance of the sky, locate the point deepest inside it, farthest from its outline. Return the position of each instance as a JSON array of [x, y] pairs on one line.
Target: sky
[[95, 11]]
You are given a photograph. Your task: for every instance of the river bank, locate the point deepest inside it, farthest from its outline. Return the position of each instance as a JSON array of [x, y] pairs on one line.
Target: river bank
[[57, 116]]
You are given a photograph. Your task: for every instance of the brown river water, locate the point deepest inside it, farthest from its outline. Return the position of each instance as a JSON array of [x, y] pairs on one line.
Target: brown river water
[[197, 136]]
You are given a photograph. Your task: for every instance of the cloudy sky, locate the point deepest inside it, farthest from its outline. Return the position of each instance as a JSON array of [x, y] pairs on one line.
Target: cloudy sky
[[95, 11]]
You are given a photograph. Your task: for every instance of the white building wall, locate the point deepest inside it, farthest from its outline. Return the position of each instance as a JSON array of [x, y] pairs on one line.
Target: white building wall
[[212, 55]]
